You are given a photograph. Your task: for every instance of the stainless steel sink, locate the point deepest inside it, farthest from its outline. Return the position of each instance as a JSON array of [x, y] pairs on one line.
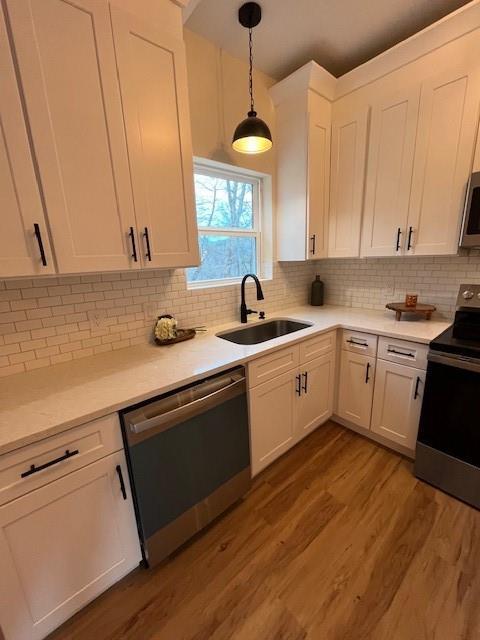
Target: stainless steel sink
[[263, 331]]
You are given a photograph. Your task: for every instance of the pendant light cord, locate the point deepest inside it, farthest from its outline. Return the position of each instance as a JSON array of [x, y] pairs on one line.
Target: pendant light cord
[[250, 77]]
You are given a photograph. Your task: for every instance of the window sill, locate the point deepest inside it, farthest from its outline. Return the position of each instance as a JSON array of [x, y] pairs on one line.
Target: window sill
[[213, 284]]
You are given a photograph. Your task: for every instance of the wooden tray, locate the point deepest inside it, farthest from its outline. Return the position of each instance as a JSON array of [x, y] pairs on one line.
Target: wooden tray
[[182, 335], [424, 310]]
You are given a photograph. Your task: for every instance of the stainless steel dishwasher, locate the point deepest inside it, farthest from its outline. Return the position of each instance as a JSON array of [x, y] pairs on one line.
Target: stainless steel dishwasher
[[188, 455]]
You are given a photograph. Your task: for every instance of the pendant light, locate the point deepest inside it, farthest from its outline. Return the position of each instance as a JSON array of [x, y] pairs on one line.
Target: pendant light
[[252, 134]]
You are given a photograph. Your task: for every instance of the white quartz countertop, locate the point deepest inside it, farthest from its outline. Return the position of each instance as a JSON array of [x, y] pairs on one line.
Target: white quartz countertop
[[40, 403]]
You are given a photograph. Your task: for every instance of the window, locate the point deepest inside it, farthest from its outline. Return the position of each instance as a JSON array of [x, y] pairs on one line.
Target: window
[[228, 217]]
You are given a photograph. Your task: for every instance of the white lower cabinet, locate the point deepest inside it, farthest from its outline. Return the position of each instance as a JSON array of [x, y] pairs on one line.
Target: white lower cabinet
[[315, 404], [272, 419], [397, 402], [287, 407], [382, 395], [62, 545], [355, 392]]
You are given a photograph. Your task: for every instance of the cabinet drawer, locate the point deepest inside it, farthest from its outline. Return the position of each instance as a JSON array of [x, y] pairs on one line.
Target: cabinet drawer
[[359, 342], [272, 365], [412, 354], [317, 346], [92, 440]]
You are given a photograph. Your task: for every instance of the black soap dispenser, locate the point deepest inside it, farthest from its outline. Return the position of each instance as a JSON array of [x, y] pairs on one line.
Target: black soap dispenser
[[316, 297]]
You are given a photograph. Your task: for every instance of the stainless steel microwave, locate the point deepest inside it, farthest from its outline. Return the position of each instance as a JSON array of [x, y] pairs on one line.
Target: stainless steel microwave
[[470, 236]]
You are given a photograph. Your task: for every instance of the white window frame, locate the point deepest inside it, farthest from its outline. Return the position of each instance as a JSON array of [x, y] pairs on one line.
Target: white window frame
[[228, 172]]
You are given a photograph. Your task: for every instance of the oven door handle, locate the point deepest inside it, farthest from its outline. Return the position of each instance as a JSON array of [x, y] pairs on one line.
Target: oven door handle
[[166, 420], [450, 360]]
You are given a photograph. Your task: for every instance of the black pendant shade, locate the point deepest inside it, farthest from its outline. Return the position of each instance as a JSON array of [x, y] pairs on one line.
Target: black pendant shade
[[252, 135]]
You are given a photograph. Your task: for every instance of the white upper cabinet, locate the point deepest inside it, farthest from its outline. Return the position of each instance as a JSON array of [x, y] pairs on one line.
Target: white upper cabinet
[[389, 176], [303, 132], [24, 232], [443, 160], [348, 162], [67, 66], [318, 176], [152, 71]]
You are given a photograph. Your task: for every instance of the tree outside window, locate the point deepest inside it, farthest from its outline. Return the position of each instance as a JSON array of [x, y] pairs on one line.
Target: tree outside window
[[228, 226]]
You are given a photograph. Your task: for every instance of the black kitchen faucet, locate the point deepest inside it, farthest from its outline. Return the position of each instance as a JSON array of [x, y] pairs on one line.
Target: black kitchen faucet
[[244, 312]]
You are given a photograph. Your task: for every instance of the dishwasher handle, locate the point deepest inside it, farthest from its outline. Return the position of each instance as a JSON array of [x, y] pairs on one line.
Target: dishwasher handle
[[165, 420]]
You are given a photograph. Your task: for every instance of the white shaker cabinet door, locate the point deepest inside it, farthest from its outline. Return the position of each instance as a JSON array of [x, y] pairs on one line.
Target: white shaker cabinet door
[[355, 393], [23, 230], [152, 71], [397, 402], [272, 418], [389, 175], [447, 127], [67, 66], [62, 545], [318, 153], [315, 405], [347, 184]]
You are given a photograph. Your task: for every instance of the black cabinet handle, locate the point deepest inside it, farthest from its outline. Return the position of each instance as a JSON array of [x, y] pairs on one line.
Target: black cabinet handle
[[357, 344], [147, 242], [416, 394], [401, 353], [367, 375], [122, 483], [409, 241], [131, 233], [305, 381], [314, 241], [38, 236], [34, 469], [298, 389], [399, 233]]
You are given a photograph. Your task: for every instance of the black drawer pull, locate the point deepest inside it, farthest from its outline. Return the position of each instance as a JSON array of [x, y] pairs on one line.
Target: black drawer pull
[[409, 241], [401, 353], [305, 381], [399, 233], [131, 233], [357, 344], [367, 375], [148, 255], [298, 389], [34, 469], [38, 236], [416, 394], [122, 483]]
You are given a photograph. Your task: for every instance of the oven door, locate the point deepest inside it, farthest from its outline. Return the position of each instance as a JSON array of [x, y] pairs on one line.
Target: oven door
[[448, 445]]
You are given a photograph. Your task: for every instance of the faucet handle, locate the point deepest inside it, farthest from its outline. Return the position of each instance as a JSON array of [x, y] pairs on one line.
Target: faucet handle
[[261, 315], [249, 311]]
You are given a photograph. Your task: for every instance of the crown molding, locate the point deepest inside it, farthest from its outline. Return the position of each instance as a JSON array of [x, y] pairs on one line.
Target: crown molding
[[312, 76]]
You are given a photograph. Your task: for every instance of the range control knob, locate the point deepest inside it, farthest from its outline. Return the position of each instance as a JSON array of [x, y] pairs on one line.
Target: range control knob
[[467, 295]]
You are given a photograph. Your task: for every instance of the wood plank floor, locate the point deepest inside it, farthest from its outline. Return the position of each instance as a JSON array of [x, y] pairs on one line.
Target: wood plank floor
[[336, 541]]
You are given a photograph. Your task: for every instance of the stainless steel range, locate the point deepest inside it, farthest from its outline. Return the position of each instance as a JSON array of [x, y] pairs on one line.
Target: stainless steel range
[[448, 445]]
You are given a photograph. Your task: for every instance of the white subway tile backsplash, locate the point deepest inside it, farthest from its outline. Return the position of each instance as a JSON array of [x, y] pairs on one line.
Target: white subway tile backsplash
[[372, 282]]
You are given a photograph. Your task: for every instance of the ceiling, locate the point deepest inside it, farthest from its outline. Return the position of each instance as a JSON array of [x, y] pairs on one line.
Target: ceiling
[[338, 34]]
